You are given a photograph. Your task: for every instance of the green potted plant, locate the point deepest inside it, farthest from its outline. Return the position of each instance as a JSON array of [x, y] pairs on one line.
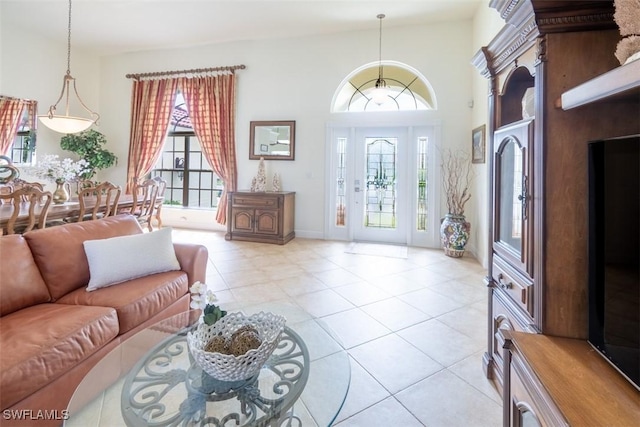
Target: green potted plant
[[88, 145]]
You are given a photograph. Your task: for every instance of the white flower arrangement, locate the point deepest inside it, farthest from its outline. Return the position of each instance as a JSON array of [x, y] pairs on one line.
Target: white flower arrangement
[[203, 299], [50, 168]]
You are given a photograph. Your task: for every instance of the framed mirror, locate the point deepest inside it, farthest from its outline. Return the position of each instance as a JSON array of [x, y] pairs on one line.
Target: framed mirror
[[273, 140]]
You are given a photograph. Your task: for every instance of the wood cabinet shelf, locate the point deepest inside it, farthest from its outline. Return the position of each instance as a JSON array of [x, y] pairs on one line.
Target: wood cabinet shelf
[[577, 386], [619, 83]]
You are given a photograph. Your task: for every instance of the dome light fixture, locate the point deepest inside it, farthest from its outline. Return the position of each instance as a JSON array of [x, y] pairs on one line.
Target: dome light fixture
[[381, 93], [68, 124]]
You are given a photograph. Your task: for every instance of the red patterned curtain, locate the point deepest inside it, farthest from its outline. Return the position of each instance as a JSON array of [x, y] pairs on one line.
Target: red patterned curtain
[[151, 106], [211, 104], [10, 115]]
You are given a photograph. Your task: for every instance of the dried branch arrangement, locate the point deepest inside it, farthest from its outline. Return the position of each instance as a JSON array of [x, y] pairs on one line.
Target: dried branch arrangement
[[456, 179]]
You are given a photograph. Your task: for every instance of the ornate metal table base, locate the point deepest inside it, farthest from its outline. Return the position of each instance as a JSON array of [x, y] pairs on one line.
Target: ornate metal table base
[[167, 388]]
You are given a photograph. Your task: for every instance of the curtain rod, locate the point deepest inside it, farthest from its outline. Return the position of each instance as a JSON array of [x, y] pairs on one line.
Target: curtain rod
[[193, 71]]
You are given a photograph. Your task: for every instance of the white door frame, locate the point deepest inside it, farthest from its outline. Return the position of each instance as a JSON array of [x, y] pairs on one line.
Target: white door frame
[[415, 129]]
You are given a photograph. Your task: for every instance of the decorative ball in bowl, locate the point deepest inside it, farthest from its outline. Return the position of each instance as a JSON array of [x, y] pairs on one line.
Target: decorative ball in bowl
[[237, 346]]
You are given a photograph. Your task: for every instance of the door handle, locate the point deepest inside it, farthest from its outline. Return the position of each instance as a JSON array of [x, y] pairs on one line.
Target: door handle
[[524, 196], [502, 283]]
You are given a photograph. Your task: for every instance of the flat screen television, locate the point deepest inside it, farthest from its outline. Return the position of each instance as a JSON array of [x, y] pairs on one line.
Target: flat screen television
[[614, 252]]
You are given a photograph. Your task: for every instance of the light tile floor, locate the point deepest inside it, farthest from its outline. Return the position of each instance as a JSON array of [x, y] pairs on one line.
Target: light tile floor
[[414, 328]]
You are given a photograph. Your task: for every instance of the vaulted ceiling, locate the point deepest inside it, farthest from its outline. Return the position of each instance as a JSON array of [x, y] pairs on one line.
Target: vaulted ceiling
[[119, 26]]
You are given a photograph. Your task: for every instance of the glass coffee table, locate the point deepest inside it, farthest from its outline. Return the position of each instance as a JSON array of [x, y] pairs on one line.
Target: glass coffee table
[[151, 379]]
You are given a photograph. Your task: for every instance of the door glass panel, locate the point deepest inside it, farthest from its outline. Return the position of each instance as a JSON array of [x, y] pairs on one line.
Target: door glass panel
[[510, 169], [421, 214], [380, 194], [341, 175]]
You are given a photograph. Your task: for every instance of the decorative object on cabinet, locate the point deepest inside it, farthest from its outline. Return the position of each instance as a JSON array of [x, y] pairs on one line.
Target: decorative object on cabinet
[[538, 268], [627, 16], [278, 137], [478, 144], [528, 107], [261, 217], [277, 185], [259, 182]]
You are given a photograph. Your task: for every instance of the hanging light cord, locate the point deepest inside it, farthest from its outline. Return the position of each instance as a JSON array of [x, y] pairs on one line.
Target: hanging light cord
[[66, 81], [69, 41], [380, 79]]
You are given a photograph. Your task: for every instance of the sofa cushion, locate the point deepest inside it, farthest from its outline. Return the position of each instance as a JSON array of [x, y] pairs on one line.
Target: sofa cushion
[[21, 284], [42, 342], [59, 251], [124, 258], [135, 300]]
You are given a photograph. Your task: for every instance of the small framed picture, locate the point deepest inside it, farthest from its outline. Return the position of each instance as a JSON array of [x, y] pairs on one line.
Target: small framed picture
[[264, 148], [478, 144]]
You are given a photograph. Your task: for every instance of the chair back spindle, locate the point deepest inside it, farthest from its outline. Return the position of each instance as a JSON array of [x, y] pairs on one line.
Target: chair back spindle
[[31, 199]]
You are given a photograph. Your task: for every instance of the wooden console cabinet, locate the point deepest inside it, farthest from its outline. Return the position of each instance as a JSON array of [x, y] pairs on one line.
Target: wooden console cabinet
[[261, 217], [555, 382]]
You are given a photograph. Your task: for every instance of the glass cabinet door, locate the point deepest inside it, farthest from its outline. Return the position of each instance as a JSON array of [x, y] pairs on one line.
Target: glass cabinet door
[[513, 194], [511, 199]]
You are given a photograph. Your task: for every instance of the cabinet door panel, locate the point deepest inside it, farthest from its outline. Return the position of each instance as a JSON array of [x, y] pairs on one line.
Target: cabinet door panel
[[523, 410], [242, 220], [503, 319], [513, 195], [267, 221]]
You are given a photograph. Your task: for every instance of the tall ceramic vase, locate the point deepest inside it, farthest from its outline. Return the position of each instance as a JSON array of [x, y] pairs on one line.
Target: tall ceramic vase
[[454, 234], [60, 194]]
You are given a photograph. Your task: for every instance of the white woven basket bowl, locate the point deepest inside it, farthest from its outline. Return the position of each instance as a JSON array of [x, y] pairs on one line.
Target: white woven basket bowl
[[227, 367]]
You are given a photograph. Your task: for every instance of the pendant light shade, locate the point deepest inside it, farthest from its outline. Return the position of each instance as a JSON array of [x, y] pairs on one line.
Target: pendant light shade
[[66, 123], [381, 93]]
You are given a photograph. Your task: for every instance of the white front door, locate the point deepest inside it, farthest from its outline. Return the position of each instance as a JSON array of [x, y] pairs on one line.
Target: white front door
[[380, 185]]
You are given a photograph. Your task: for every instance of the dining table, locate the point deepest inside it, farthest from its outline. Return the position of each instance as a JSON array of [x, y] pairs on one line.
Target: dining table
[[69, 210]]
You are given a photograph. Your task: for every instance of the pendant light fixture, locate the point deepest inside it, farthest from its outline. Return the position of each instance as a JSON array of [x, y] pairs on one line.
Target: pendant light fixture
[[67, 123], [381, 93]]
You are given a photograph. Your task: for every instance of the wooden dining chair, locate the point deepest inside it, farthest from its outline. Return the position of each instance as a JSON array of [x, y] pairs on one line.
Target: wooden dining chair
[[19, 183], [145, 194], [8, 173], [35, 201], [162, 185], [99, 201]]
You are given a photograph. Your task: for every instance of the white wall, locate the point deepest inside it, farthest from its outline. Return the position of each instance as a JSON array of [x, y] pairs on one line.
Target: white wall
[[295, 79], [286, 79], [486, 24]]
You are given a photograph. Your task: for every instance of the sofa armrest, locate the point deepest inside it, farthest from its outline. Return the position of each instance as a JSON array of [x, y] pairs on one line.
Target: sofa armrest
[[193, 259]]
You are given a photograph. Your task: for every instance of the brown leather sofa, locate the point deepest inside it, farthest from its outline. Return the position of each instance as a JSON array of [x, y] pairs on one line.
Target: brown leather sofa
[[52, 332]]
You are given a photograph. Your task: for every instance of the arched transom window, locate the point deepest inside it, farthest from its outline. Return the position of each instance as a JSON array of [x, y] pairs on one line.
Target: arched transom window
[[407, 89]]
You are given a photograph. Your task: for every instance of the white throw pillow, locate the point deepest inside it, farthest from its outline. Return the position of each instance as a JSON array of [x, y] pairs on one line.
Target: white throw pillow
[[118, 259]]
